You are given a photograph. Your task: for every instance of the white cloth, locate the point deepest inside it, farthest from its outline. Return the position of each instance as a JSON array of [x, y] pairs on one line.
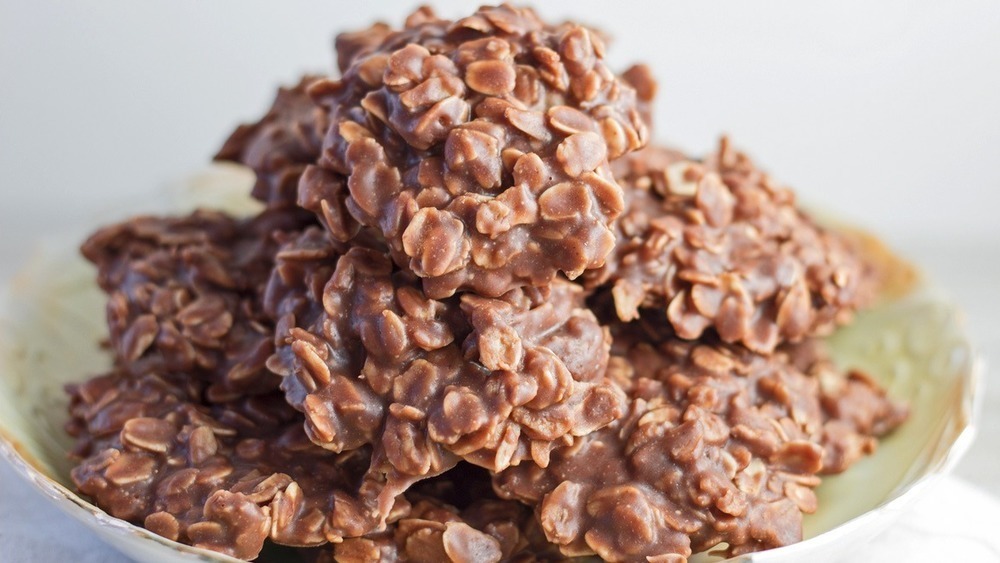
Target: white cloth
[[33, 530], [952, 521]]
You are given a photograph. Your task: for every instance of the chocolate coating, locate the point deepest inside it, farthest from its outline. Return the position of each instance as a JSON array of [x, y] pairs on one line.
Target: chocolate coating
[[479, 147], [454, 518], [225, 476], [718, 445], [720, 246], [229, 477], [182, 294], [280, 145], [370, 360]]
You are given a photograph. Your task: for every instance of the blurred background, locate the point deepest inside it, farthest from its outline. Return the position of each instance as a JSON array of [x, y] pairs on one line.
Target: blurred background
[[885, 113], [888, 112]]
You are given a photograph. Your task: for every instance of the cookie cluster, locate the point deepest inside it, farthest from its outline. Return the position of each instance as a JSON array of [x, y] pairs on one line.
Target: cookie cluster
[[477, 318]]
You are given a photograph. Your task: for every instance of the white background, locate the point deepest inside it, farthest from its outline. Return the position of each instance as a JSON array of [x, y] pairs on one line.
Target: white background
[[888, 111], [885, 112]]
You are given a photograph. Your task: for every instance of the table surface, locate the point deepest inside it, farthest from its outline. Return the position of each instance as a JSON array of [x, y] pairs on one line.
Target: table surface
[[969, 273]]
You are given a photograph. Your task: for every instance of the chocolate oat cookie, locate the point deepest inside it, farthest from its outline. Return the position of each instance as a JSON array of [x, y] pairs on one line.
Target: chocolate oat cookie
[[369, 359], [479, 147], [182, 294], [280, 145], [227, 477], [224, 476], [453, 518], [434, 531], [719, 445], [720, 245]]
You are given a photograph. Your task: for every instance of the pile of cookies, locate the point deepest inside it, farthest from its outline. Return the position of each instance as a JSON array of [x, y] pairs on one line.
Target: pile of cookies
[[478, 318]]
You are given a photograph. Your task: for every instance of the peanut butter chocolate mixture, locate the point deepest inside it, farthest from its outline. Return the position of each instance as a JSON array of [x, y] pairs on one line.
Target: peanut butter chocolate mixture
[[487, 532], [361, 369], [479, 147], [280, 146], [370, 360], [453, 518], [228, 477], [182, 295], [224, 476], [720, 245], [718, 445]]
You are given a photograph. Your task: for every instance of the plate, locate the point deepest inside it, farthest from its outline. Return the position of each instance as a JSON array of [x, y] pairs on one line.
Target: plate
[[52, 321]]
